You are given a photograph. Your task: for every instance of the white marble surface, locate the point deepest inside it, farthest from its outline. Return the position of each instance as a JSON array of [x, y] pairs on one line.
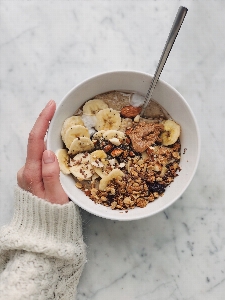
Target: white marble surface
[[47, 47]]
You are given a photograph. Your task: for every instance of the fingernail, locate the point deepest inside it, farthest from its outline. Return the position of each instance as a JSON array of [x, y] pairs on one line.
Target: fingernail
[[49, 103], [48, 157]]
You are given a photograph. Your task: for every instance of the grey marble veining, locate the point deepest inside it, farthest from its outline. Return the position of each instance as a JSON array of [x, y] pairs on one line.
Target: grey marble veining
[[47, 47]]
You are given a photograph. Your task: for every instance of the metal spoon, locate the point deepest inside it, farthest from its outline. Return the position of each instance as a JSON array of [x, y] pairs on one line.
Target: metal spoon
[[182, 11]]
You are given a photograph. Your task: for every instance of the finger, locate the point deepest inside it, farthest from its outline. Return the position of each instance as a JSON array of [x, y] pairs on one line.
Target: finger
[[26, 180], [35, 145], [20, 178], [54, 192], [36, 137]]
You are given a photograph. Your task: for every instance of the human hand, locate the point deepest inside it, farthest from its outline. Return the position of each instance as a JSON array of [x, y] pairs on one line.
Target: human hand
[[40, 174]]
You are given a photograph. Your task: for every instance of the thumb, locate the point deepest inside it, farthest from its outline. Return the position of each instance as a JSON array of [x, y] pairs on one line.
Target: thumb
[[54, 192]]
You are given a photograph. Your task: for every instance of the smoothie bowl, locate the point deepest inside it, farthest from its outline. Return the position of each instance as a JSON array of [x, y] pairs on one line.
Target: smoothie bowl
[[114, 163]]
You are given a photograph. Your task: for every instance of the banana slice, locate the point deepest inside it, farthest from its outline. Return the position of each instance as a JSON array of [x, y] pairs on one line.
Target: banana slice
[[171, 134], [69, 122], [99, 134], [94, 177], [92, 107], [63, 159], [108, 119], [98, 158], [116, 173], [75, 132], [110, 134], [99, 162], [100, 172], [114, 136], [110, 164], [81, 144], [81, 167]]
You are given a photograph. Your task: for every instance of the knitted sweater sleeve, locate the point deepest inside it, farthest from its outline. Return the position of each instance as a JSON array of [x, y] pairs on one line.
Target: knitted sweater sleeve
[[42, 252]]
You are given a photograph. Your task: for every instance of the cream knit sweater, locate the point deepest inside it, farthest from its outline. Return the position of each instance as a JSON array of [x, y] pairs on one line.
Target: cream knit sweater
[[42, 252]]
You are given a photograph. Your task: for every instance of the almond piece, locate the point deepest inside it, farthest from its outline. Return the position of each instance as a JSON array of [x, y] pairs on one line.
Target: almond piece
[[107, 148], [116, 152], [130, 111]]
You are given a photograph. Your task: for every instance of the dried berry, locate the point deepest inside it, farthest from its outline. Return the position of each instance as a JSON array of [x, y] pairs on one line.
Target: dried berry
[[156, 187]]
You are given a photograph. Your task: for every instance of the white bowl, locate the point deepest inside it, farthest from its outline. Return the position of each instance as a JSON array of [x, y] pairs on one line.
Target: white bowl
[[168, 98]]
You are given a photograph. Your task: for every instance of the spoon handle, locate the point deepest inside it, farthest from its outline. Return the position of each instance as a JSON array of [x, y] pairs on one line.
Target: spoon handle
[[182, 11]]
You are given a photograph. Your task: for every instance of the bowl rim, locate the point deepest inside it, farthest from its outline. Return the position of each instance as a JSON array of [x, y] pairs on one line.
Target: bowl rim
[[198, 146]]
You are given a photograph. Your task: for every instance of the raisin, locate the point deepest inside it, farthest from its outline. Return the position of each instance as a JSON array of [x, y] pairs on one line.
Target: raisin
[[156, 187]]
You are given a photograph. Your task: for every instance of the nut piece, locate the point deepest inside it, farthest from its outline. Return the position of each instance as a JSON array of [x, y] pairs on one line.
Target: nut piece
[[107, 148], [137, 119], [130, 111], [116, 152]]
